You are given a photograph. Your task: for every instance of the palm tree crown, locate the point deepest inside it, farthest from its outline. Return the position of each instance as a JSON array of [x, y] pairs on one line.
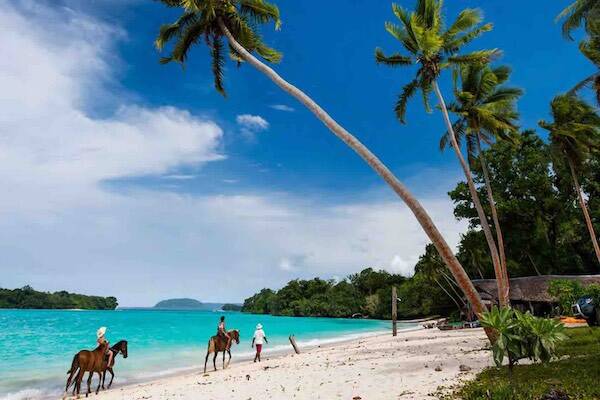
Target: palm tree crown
[[201, 19], [578, 13], [575, 130], [484, 107], [432, 46], [590, 48]]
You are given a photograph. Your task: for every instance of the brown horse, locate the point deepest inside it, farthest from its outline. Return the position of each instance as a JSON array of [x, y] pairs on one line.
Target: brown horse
[[219, 343], [120, 347], [87, 361]]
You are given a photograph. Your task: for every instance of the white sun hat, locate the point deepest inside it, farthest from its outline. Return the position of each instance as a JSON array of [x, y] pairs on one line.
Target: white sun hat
[[259, 326], [101, 332]]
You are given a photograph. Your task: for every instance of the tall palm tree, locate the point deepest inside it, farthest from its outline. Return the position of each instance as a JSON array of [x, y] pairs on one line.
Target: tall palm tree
[[238, 21], [574, 133], [486, 111], [432, 48], [578, 13]]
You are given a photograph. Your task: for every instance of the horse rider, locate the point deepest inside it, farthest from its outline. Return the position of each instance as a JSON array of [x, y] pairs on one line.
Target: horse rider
[[100, 334], [222, 332]]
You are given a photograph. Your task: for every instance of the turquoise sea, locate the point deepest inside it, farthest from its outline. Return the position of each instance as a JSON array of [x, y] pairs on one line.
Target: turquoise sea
[[37, 346]]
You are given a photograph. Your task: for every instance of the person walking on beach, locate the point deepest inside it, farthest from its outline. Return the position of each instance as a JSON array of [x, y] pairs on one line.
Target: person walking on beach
[[221, 331], [258, 339], [100, 335]]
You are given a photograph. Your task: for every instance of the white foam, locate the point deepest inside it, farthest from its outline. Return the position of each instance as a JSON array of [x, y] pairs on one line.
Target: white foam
[[25, 394]]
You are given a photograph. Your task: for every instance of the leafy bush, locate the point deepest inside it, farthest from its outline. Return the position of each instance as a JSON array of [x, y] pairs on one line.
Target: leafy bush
[[567, 292], [521, 335]]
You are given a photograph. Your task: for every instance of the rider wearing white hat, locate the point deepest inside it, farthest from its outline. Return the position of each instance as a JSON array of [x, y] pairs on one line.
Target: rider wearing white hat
[[101, 339]]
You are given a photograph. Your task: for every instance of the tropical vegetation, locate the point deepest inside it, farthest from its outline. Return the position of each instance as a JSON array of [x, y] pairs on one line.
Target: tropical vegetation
[[574, 375], [27, 297]]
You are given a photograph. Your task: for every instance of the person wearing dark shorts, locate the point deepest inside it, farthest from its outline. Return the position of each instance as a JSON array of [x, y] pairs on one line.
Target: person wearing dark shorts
[[259, 339]]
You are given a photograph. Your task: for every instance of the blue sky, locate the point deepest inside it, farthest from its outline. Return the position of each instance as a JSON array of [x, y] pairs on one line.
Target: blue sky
[[118, 165]]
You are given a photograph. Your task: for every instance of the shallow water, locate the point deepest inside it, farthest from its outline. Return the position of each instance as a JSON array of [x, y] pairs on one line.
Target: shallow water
[[37, 346]]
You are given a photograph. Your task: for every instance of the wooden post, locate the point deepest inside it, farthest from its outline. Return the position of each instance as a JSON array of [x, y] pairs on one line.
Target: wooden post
[[293, 342], [394, 311]]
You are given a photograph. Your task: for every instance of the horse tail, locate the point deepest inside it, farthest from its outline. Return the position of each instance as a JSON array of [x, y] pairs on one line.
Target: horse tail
[[211, 346], [74, 364]]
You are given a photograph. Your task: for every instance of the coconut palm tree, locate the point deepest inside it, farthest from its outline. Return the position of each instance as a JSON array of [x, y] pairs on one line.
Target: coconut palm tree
[[578, 13], [486, 111], [238, 22], [574, 133], [432, 48]]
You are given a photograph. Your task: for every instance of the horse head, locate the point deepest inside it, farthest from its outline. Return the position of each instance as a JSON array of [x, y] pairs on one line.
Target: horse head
[[235, 335], [121, 347]]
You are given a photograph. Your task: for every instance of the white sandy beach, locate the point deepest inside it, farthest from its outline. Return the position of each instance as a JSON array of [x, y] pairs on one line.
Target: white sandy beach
[[413, 365]]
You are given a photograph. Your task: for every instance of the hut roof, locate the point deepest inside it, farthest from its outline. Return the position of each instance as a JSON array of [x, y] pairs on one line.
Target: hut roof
[[530, 288]]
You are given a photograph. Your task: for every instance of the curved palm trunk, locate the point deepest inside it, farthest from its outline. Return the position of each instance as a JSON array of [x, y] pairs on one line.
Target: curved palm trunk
[[502, 286], [492, 202], [586, 214], [422, 217]]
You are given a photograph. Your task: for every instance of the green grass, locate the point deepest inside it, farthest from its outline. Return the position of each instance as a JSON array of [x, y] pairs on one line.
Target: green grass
[[577, 373]]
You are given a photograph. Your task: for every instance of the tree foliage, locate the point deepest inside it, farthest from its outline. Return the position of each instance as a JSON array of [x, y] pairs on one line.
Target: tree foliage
[[27, 297]]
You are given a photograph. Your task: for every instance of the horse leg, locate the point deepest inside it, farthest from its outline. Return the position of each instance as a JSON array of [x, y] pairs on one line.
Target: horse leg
[[229, 359], [224, 352], [89, 383], [215, 360], [69, 379], [112, 376], [79, 378], [99, 380], [103, 378]]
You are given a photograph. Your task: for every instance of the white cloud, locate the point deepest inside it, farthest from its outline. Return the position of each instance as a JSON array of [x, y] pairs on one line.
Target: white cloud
[[250, 125], [282, 107], [49, 146], [179, 177]]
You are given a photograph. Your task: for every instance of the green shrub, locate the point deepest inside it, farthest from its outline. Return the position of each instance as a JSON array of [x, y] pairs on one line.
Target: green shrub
[[521, 335], [567, 292]]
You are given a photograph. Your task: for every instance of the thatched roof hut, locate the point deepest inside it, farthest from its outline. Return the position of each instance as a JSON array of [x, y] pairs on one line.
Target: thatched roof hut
[[530, 291]]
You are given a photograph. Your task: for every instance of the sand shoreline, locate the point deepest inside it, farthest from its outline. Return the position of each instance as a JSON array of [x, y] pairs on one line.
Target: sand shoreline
[[412, 365]]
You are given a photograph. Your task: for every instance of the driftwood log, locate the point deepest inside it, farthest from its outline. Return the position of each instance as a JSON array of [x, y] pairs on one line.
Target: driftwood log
[[294, 345]]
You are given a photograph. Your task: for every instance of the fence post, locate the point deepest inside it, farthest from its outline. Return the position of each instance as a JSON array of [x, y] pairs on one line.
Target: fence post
[[394, 311]]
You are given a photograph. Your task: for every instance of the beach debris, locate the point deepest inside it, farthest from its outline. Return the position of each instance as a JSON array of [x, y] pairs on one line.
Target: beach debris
[[357, 398], [247, 377], [464, 368], [438, 368], [269, 367]]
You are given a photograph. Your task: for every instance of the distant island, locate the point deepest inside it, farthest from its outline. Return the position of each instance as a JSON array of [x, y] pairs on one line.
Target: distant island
[[231, 307], [28, 298], [193, 304], [180, 304]]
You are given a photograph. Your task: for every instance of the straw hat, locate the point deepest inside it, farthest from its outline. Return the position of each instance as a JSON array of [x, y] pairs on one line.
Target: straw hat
[[100, 333], [259, 326]]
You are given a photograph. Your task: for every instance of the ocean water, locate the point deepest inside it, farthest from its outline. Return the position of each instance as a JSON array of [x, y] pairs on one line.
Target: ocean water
[[37, 346]]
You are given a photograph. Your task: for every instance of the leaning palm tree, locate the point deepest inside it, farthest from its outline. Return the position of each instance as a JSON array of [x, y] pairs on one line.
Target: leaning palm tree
[[574, 133], [486, 111], [580, 12], [238, 22], [432, 47]]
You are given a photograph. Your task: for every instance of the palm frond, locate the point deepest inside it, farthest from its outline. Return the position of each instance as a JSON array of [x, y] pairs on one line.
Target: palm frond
[[408, 91], [476, 57], [393, 60], [455, 43], [261, 12], [218, 63], [185, 41], [467, 19], [169, 31]]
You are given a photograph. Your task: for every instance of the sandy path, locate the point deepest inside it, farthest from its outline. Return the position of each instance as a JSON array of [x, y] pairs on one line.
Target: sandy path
[[380, 367]]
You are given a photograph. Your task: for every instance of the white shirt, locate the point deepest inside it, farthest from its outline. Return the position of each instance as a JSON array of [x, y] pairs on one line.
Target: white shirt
[[259, 336]]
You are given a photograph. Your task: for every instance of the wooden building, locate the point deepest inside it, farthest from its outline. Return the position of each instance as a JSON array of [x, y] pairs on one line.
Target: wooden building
[[531, 292]]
